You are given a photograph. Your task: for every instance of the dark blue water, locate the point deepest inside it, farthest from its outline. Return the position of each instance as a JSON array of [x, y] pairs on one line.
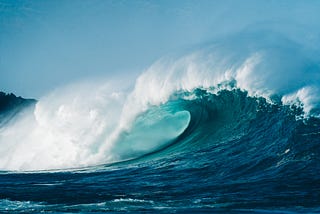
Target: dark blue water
[[239, 154]]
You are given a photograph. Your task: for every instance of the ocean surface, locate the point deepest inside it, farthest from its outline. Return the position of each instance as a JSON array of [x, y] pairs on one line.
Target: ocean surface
[[232, 127]]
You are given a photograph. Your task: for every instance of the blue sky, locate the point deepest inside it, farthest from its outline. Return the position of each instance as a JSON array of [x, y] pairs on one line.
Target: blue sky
[[46, 44]]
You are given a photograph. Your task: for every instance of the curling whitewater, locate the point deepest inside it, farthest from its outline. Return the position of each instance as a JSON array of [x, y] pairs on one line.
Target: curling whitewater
[[233, 126]]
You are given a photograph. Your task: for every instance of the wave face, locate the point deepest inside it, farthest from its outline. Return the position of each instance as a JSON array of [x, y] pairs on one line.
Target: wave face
[[234, 125]]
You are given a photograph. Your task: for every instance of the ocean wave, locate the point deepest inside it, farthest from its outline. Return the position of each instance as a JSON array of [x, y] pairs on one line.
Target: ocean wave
[[219, 91]]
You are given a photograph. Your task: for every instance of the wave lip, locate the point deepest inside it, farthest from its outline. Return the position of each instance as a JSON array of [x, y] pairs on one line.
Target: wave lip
[[264, 65]]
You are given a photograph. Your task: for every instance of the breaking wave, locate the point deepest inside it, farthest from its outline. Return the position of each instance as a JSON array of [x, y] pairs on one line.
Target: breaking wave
[[265, 89]]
